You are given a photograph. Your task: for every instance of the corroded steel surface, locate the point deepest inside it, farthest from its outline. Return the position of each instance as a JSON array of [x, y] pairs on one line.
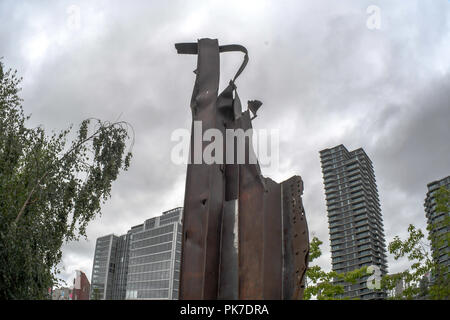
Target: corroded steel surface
[[244, 236]]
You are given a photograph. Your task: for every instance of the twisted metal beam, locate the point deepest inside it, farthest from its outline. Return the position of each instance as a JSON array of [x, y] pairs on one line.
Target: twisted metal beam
[[244, 236]]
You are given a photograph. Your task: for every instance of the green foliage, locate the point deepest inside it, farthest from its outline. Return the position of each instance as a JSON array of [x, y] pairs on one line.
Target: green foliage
[[49, 190], [96, 294], [417, 252], [320, 283], [314, 249], [439, 237]]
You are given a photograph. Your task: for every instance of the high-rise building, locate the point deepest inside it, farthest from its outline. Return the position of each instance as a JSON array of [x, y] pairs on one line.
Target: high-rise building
[[121, 266], [154, 266], [102, 279], [142, 264], [435, 219], [354, 217]]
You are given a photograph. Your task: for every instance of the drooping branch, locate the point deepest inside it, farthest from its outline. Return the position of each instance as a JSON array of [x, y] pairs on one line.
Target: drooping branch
[[52, 166]]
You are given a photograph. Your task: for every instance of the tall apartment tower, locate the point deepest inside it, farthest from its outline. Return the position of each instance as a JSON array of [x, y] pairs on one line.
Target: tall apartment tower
[[354, 217], [434, 218], [142, 264]]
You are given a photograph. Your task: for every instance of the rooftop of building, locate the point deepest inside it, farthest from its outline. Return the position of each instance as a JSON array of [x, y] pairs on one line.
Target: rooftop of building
[[107, 236], [141, 227], [341, 147], [336, 148], [437, 183], [172, 210]]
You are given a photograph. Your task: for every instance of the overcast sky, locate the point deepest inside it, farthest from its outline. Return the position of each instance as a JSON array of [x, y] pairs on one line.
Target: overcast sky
[[326, 73]]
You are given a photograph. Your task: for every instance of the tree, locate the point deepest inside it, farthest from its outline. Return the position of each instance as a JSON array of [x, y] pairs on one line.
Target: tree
[[96, 294], [320, 283], [423, 262], [49, 190]]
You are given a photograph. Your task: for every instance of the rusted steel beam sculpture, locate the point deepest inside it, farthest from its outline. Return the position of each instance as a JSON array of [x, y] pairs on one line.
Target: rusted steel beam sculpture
[[244, 236]]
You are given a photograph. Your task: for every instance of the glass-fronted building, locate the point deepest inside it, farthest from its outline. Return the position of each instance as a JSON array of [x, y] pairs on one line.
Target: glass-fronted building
[[121, 267], [142, 264], [354, 217], [103, 268], [154, 267]]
